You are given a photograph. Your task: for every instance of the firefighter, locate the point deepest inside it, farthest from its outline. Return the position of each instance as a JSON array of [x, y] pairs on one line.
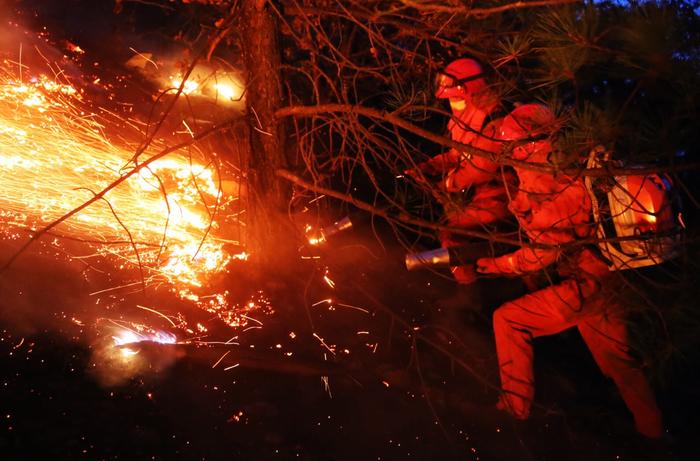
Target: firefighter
[[555, 210], [474, 122]]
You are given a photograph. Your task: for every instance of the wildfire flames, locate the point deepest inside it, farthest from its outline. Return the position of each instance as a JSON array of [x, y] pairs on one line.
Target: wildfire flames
[[54, 157], [127, 337], [169, 222]]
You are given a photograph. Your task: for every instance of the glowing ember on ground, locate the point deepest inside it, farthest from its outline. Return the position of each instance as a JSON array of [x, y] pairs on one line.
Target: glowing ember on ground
[[126, 337]]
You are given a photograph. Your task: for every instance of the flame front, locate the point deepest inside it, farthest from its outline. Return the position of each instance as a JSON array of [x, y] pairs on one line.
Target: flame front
[[126, 337], [54, 157]]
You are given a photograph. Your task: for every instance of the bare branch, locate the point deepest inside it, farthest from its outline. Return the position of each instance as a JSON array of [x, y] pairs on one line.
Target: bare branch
[[482, 12], [400, 216], [501, 159]]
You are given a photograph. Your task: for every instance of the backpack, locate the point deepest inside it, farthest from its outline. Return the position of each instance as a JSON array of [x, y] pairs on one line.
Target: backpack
[[638, 218]]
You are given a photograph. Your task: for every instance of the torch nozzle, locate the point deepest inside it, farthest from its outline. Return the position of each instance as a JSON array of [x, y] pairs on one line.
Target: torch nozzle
[[338, 226], [456, 256], [325, 232], [438, 257]]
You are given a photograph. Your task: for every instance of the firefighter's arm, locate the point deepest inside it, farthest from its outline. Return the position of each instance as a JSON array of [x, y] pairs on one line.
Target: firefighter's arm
[[471, 172], [441, 163], [518, 262]]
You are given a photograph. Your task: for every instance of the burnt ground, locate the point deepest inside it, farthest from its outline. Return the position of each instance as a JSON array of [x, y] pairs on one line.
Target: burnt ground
[[402, 390]]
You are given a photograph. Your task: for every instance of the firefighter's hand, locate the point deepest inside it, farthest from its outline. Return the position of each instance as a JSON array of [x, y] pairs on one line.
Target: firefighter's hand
[[412, 172], [418, 175], [504, 265], [487, 266]]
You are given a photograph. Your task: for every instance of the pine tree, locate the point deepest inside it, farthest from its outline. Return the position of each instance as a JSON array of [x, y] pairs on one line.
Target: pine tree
[[355, 101], [358, 81]]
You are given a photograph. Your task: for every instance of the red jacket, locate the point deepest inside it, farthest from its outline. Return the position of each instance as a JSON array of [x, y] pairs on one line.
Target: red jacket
[[551, 209], [462, 170]]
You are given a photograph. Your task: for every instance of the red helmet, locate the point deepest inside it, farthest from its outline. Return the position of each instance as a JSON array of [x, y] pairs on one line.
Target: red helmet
[[459, 79], [529, 121]]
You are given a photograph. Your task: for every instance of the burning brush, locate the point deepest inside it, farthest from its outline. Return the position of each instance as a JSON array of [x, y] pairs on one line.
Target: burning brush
[[54, 157]]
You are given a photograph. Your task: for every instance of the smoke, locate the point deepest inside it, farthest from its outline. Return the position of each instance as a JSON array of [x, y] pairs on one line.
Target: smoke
[[46, 292], [41, 291]]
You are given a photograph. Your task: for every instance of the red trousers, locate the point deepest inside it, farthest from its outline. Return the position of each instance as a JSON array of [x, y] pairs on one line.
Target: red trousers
[[576, 302]]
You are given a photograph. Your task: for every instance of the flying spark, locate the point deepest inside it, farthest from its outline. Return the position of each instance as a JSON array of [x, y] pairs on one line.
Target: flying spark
[[55, 155]]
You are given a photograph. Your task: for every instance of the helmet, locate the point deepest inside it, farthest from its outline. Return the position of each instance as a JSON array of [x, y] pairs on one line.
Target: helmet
[[459, 79], [529, 121]]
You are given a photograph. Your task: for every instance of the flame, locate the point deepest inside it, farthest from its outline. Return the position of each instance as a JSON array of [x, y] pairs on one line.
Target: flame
[[126, 337], [158, 336], [54, 156], [209, 83], [314, 240], [189, 87]]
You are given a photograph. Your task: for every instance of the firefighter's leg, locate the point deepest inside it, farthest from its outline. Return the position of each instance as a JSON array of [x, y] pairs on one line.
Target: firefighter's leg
[[515, 324], [606, 337]]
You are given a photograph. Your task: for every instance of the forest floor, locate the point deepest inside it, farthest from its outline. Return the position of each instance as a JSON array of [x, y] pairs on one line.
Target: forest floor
[[378, 374]]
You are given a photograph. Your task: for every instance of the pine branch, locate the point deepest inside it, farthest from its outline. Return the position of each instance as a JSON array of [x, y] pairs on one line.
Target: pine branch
[[482, 12], [501, 159]]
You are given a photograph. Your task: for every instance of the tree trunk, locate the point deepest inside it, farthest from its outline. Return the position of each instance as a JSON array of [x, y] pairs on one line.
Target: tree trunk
[[269, 236]]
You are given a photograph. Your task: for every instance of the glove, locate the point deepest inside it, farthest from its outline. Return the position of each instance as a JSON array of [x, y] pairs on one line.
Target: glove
[[500, 265], [419, 174], [487, 266]]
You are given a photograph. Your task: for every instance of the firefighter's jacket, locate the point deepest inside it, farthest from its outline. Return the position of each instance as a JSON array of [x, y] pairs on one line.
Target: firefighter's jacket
[[552, 209]]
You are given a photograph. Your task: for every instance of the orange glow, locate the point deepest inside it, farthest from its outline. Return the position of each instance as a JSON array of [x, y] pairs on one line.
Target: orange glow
[[130, 336], [54, 156], [209, 83], [648, 208]]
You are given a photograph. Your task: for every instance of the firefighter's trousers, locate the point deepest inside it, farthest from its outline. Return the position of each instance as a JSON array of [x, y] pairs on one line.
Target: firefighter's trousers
[[575, 302]]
